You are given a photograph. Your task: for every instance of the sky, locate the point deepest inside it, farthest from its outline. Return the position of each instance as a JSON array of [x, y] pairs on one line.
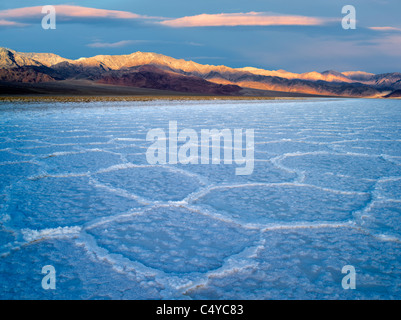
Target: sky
[[297, 36]]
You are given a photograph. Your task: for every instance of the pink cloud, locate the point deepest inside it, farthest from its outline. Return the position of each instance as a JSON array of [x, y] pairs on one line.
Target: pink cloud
[[70, 11], [6, 23], [243, 19], [385, 28]]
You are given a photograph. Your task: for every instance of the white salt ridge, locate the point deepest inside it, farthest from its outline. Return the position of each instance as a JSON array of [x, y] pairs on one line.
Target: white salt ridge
[[33, 235]]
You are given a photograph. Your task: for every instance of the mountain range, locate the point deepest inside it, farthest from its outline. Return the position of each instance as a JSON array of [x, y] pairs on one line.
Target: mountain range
[[30, 73]]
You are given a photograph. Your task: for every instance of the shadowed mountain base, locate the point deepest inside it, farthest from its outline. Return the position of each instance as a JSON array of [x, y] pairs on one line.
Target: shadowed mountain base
[[69, 88]]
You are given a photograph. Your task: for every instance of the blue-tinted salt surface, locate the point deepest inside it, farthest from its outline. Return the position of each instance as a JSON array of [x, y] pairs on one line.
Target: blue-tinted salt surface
[[77, 193]]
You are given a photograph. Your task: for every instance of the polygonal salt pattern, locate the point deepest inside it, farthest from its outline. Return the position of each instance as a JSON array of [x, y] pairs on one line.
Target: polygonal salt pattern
[[154, 183], [350, 172], [272, 204], [77, 192], [80, 162], [174, 239], [79, 275], [307, 263], [339, 182], [358, 166], [383, 218], [54, 202], [262, 171]]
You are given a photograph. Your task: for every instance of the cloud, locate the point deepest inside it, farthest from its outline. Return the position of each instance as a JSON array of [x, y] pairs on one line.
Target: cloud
[[118, 44], [19, 16], [123, 43], [385, 28], [7, 23], [244, 19], [68, 13]]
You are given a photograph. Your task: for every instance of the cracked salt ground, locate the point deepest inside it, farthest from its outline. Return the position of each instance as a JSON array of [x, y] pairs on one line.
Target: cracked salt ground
[[66, 201], [306, 262], [188, 242], [12, 172], [264, 172], [77, 193], [283, 203], [154, 183], [383, 219], [351, 172], [80, 275], [80, 162]]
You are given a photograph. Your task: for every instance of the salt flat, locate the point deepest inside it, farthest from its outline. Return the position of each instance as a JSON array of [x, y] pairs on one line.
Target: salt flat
[[77, 193]]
